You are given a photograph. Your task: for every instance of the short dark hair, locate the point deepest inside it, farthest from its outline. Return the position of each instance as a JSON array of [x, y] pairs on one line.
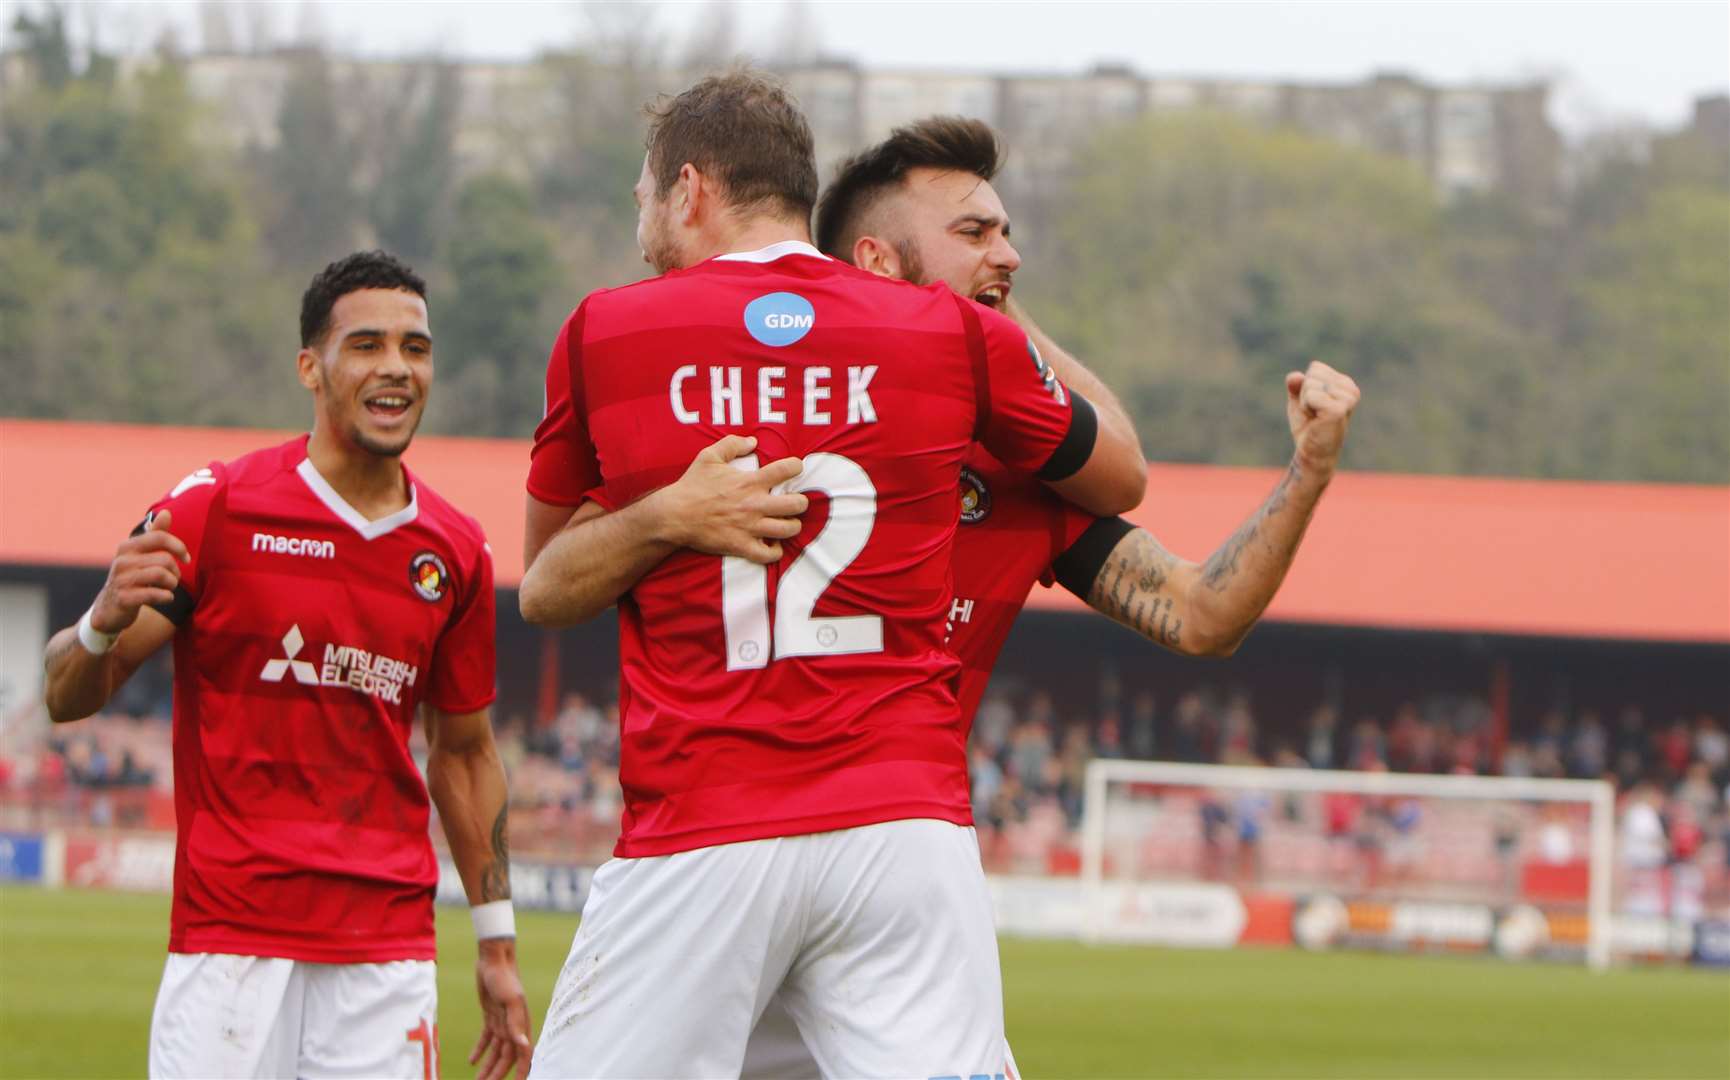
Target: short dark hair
[[374, 269], [937, 142], [743, 129]]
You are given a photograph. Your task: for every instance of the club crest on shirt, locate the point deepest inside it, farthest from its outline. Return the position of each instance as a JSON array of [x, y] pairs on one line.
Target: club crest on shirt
[[427, 573], [975, 497]]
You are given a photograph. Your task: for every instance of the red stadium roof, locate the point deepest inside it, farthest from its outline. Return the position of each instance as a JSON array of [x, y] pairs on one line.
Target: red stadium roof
[[1631, 561]]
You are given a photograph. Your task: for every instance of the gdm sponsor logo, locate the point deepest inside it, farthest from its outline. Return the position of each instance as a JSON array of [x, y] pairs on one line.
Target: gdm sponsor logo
[[779, 319]]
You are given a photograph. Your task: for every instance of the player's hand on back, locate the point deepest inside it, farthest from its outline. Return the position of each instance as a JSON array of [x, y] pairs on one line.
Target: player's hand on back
[[1319, 405], [723, 506], [145, 570], [504, 1043]]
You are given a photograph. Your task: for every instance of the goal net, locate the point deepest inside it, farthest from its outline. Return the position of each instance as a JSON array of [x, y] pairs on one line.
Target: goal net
[[1217, 855]]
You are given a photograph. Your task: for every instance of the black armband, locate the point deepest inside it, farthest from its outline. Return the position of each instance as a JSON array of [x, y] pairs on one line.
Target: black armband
[[1077, 446], [1078, 567], [179, 609]]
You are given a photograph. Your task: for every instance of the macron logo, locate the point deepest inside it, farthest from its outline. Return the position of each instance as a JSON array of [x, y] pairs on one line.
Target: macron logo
[[304, 672], [293, 545]]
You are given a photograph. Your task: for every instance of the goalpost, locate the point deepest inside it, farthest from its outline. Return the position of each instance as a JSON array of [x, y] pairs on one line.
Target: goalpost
[[1422, 851]]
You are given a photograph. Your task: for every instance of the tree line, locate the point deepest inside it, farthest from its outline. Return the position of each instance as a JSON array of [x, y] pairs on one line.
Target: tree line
[[149, 271]]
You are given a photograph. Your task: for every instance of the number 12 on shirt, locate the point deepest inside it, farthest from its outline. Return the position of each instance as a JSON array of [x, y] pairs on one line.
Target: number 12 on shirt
[[745, 584]]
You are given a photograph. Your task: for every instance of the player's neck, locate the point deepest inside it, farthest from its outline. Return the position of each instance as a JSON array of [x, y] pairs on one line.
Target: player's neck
[[752, 234], [373, 484]]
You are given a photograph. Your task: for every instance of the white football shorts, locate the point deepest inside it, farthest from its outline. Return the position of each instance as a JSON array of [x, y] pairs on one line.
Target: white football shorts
[[219, 1015], [777, 1052], [878, 941]]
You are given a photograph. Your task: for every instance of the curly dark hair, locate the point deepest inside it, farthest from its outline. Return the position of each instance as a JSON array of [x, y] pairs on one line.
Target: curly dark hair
[[937, 142], [374, 269], [744, 130]]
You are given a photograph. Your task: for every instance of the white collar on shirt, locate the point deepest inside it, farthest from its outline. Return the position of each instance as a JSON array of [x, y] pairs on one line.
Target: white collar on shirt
[[772, 252], [336, 504]]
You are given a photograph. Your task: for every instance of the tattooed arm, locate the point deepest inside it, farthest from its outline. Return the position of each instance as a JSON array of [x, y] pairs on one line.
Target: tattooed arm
[[467, 782], [1208, 609]]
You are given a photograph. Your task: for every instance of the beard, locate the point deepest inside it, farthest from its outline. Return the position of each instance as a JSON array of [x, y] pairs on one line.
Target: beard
[[658, 246], [384, 446], [912, 266]]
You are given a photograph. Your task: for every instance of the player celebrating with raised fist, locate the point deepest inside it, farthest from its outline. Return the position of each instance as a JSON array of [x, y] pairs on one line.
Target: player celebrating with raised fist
[[317, 595], [920, 206]]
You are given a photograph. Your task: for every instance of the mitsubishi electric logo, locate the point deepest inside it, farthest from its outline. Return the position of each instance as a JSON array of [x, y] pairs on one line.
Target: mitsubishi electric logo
[[304, 672], [344, 665]]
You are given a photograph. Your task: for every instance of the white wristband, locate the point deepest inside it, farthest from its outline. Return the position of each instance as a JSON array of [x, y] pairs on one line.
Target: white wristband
[[95, 642], [495, 920]]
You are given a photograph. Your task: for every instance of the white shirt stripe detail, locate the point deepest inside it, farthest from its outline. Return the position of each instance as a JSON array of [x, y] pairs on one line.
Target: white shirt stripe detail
[[336, 504], [772, 252]]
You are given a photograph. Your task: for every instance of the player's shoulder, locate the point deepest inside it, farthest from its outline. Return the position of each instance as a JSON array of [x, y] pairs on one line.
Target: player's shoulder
[[258, 467], [464, 532], [999, 494], [997, 325], [623, 309]]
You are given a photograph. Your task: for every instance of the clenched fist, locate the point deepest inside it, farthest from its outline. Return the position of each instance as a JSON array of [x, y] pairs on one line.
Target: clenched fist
[[1319, 405], [146, 570]]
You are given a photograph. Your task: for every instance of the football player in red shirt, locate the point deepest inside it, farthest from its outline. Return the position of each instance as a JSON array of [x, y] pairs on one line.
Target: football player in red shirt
[[920, 206], [317, 595], [797, 817]]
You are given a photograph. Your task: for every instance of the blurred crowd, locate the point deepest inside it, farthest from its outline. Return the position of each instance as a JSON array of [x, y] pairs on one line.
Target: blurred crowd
[[1028, 762]]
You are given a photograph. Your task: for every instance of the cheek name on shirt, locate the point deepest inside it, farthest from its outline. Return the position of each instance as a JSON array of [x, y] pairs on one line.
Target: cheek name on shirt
[[814, 404]]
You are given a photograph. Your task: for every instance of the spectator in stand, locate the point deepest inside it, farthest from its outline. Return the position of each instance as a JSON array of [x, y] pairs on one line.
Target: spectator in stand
[[1468, 754], [987, 779], [1552, 735], [1516, 760], [1030, 749], [1143, 715], [1250, 809], [1403, 738], [1072, 775], [1675, 747], [1109, 743], [1632, 748], [993, 722], [1587, 752], [1284, 757], [1367, 744], [1425, 752], [1237, 728], [1712, 746], [1340, 813], [1644, 849], [1697, 793], [1187, 734], [578, 720]]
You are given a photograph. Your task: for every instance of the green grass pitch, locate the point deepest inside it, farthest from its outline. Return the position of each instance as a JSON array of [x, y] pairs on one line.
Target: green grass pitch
[[78, 973]]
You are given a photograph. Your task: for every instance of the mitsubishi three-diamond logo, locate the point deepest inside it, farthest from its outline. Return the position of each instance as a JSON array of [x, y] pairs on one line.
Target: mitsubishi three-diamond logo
[[304, 672]]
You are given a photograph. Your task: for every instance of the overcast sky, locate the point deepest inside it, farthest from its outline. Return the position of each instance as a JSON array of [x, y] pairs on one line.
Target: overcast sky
[[1611, 61]]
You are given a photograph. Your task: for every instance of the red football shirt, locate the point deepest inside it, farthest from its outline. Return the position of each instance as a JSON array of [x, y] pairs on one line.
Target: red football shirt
[[1012, 530], [818, 693], [307, 637]]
